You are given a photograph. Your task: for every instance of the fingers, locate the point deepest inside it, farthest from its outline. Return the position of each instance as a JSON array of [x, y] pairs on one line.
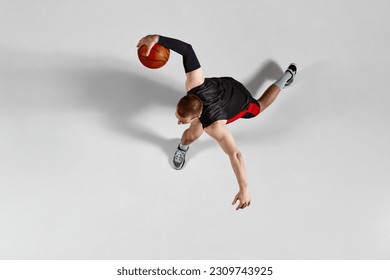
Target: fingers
[[149, 42], [148, 50], [242, 205], [244, 197], [148, 47], [141, 42]]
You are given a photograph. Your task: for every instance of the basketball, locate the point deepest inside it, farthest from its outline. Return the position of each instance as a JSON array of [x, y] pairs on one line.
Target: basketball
[[157, 58]]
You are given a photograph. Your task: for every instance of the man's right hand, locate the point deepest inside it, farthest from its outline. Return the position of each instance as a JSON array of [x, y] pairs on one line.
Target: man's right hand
[[149, 42]]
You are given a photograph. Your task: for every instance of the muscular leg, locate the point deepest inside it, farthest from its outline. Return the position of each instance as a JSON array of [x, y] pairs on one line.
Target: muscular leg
[[192, 133], [268, 96], [273, 91]]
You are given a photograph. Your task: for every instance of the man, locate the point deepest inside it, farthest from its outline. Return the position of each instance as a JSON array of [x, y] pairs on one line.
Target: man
[[212, 103]]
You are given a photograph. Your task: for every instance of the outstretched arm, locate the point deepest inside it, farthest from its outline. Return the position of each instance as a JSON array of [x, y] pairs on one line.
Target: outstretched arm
[[219, 132], [191, 64]]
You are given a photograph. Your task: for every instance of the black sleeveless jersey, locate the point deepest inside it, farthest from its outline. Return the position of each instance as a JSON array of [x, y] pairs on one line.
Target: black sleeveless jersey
[[222, 99]]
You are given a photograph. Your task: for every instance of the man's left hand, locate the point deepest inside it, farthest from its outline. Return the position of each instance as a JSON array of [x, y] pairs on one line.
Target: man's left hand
[[244, 197]]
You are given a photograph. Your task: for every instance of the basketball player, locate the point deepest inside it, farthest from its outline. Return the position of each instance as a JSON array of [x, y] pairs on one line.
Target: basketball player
[[211, 104]]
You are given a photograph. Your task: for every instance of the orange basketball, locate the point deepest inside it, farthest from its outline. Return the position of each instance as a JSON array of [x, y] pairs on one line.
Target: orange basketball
[[157, 58]]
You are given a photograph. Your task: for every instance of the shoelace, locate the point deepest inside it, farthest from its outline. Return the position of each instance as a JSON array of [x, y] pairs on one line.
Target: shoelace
[[179, 155]]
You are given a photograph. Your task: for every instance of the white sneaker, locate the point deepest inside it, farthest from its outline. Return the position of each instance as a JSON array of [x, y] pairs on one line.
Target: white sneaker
[[292, 68], [179, 158]]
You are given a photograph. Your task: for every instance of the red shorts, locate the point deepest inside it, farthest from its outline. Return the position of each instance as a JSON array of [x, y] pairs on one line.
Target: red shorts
[[251, 111]]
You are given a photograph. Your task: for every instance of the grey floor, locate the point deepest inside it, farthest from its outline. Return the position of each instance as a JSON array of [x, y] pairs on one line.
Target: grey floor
[[87, 133]]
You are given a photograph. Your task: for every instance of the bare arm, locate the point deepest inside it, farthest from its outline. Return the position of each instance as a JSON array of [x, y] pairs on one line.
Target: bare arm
[[194, 72], [219, 132], [194, 78]]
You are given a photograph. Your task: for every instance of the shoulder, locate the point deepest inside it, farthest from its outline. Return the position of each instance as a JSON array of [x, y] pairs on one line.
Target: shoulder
[[217, 129]]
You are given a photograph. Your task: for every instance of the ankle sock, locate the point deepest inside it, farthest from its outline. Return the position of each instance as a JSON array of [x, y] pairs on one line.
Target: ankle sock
[[183, 147], [282, 80]]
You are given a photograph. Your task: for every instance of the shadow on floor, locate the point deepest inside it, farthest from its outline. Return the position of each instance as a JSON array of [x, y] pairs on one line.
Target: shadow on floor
[[114, 88], [122, 95]]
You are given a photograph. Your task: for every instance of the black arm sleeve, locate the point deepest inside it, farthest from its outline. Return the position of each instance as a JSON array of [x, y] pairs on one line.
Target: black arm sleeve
[[190, 61]]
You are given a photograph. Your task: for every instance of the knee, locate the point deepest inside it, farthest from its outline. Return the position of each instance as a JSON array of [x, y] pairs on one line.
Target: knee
[[263, 105]]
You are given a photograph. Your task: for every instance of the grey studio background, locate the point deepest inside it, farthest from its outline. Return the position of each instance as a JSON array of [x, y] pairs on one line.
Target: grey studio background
[[87, 133]]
